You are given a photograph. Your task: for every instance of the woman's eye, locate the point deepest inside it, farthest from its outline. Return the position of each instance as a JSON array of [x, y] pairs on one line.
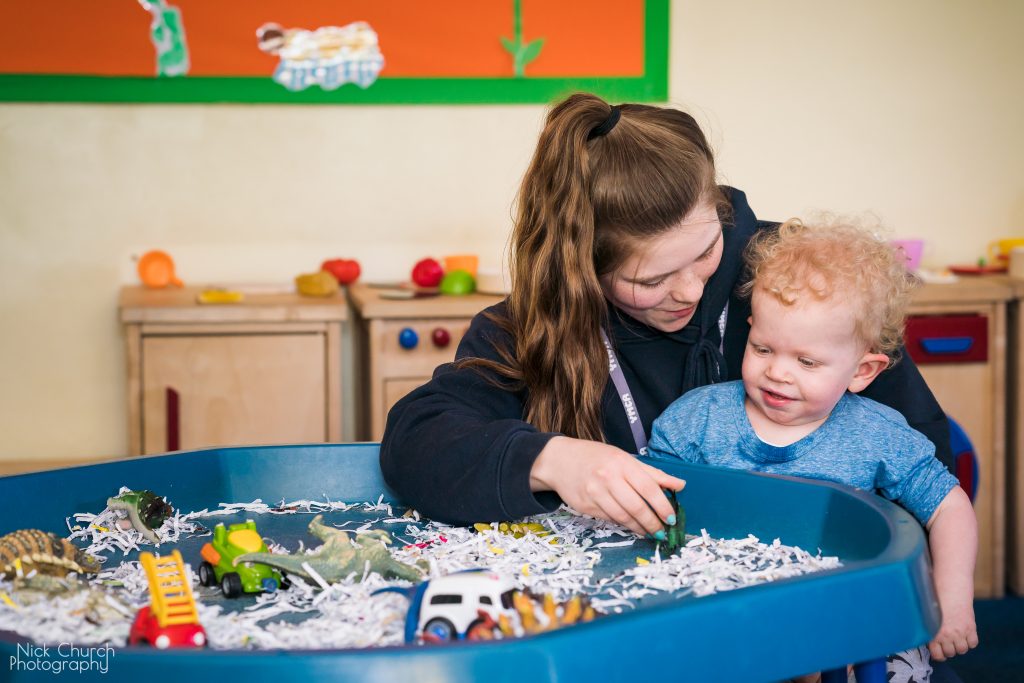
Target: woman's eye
[[652, 284], [711, 250]]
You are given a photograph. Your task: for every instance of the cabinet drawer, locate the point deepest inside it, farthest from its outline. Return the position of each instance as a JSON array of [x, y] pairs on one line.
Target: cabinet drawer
[[420, 360], [947, 338]]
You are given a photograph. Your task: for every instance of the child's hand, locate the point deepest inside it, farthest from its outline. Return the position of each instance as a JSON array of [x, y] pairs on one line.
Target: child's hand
[[957, 635]]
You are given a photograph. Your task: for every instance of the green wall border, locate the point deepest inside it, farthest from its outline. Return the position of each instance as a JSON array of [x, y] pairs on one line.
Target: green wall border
[[651, 87]]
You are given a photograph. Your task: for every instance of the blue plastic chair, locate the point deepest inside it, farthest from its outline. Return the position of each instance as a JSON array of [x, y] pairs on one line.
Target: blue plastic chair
[[965, 459]]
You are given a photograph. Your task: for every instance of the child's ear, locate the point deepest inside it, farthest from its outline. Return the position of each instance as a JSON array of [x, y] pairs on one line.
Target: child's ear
[[871, 364]]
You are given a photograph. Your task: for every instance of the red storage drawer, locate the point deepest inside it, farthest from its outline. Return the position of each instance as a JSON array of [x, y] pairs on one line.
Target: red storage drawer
[[947, 338]]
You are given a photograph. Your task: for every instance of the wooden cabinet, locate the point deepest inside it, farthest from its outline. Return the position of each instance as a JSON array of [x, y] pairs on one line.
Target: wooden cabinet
[[265, 371], [969, 383], [1015, 459], [387, 371]]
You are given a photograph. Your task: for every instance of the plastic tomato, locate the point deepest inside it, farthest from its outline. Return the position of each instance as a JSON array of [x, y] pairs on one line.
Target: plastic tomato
[[345, 271], [427, 273]]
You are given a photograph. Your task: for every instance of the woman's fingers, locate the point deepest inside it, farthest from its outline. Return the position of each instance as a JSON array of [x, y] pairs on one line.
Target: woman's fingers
[[666, 480], [606, 482], [614, 512], [630, 496], [654, 499]]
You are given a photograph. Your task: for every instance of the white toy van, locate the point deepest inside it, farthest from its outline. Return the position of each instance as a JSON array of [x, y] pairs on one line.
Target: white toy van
[[452, 603], [447, 607]]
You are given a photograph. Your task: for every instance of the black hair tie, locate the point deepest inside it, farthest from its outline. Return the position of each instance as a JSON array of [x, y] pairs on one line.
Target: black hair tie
[[606, 126]]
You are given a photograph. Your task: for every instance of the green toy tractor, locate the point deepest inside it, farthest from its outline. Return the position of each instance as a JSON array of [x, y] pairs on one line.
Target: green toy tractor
[[248, 577]]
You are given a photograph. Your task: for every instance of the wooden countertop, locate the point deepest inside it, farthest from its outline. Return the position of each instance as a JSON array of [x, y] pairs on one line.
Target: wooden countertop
[[968, 289], [179, 305], [369, 304]]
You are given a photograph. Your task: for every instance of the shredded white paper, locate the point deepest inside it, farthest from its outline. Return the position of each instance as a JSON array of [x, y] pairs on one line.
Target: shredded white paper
[[560, 561]]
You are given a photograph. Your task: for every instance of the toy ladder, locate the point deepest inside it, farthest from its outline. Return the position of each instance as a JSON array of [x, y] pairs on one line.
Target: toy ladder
[[170, 589]]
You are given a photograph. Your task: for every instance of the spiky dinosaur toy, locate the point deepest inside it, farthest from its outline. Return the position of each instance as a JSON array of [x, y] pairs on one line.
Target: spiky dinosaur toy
[[340, 555]]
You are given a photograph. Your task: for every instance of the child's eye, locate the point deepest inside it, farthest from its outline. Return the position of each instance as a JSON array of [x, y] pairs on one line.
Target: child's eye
[[808, 363], [760, 350]]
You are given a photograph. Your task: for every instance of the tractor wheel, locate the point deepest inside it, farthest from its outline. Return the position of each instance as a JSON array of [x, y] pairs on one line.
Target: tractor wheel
[[206, 575], [231, 585]]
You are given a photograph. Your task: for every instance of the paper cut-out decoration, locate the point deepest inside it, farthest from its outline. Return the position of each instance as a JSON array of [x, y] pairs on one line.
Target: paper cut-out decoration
[[167, 31], [521, 54], [330, 56]]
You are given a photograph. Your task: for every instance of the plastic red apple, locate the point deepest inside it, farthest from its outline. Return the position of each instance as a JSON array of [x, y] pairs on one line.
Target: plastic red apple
[[427, 273]]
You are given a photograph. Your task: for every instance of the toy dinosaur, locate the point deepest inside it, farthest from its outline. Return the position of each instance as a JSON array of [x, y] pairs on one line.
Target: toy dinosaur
[[97, 605], [340, 556], [145, 510], [26, 550], [676, 533]]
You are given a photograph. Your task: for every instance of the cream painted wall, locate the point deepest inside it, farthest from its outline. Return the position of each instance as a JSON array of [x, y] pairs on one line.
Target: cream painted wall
[[910, 109]]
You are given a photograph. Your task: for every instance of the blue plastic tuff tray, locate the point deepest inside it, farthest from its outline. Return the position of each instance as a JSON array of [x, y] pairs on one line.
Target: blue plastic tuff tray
[[880, 601]]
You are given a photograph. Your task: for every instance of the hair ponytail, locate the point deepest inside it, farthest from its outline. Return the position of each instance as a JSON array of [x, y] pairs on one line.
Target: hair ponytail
[[584, 202]]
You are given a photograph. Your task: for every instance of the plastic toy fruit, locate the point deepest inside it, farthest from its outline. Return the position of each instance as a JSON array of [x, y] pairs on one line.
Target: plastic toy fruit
[[345, 271], [427, 273], [316, 284], [250, 577], [156, 270], [458, 282]]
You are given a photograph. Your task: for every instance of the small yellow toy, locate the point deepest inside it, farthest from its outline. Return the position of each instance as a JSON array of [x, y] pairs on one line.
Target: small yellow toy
[[515, 529], [219, 296]]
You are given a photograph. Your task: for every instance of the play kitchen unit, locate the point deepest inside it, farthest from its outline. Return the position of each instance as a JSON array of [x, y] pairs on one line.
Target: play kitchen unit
[[266, 370], [399, 342], [957, 335]]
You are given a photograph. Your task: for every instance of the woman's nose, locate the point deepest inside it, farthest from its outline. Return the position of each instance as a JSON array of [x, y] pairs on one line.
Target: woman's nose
[[687, 289]]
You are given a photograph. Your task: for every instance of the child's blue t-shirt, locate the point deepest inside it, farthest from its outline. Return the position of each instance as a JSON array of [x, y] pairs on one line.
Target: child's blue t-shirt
[[863, 444]]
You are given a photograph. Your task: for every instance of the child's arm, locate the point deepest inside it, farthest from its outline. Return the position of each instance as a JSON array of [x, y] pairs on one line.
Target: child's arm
[[953, 540]]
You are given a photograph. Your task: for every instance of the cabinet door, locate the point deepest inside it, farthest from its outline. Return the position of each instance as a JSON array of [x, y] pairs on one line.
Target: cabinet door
[[233, 390], [967, 394], [394, 390]]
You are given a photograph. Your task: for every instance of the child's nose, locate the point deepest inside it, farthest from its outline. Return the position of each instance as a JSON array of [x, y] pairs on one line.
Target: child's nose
[[776, 371]]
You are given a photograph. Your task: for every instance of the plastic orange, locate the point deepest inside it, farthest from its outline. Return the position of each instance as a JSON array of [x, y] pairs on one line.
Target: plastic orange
[[156, 270], [466, 262]]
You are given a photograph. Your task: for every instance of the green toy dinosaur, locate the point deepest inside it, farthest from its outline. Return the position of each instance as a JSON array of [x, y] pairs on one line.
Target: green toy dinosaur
[[146, 511], [675, 533], [340, 556]]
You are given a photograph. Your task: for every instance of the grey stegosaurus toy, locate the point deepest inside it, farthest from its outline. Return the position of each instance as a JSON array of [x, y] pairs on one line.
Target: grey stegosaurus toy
[[341, 555]]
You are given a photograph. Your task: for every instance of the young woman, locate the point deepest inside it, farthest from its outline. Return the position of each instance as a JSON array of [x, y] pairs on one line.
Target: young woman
[[626, 259]]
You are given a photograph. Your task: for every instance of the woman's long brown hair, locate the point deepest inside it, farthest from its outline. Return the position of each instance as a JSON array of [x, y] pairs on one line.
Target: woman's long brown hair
[[584, 205]]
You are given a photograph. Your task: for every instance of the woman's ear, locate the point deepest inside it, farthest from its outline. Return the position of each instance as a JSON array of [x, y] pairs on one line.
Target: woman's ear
[[869, 367]]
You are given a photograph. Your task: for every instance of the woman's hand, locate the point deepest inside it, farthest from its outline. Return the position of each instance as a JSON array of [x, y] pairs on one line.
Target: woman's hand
[[606, 482]]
